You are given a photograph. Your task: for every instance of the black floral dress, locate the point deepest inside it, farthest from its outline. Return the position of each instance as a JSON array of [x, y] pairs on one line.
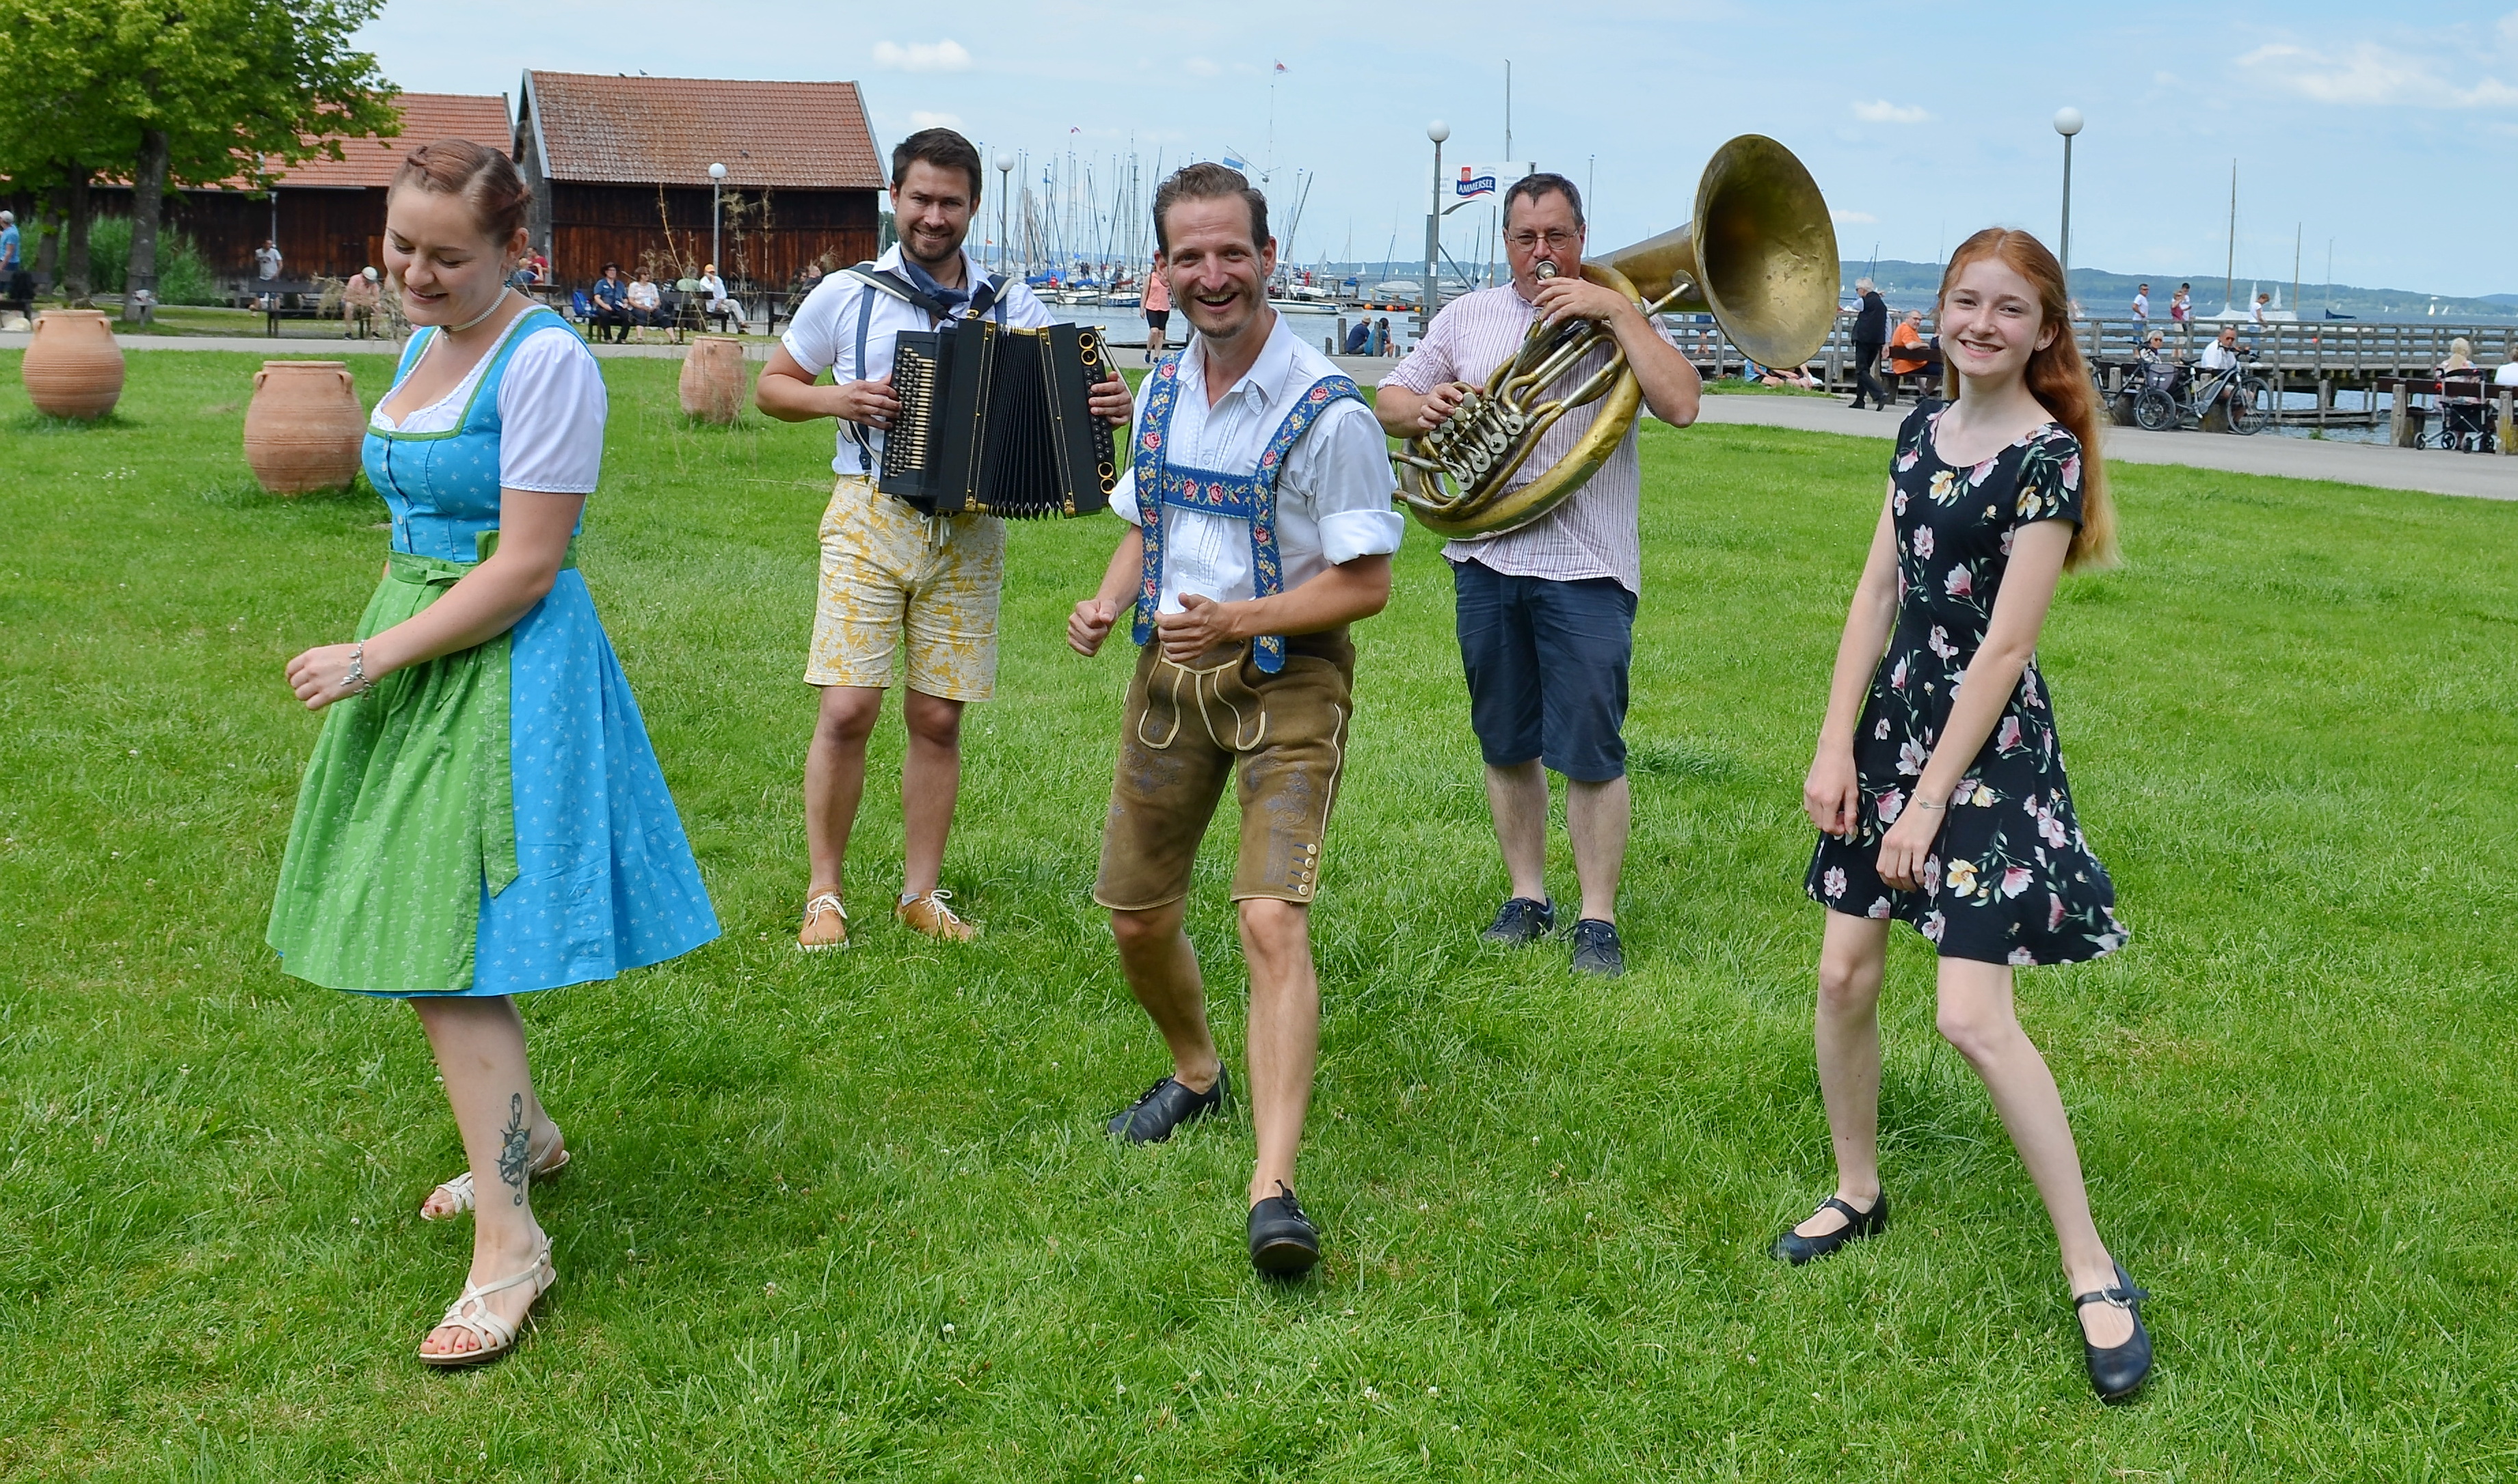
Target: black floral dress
[[2009, 879]]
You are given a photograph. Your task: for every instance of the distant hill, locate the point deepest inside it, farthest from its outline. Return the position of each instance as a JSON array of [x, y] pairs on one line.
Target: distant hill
[[1912, 285]]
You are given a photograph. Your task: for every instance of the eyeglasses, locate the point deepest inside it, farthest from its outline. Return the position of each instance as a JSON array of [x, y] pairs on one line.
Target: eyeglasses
[[1524, 241]]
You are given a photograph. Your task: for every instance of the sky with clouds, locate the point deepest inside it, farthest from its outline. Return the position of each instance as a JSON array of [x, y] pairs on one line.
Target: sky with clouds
[[2391, 133]]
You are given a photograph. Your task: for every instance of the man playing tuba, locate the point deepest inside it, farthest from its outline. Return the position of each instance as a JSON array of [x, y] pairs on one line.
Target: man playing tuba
[[1546, 610]]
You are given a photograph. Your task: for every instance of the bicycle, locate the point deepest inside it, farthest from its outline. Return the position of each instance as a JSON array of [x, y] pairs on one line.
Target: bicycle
[[2169, 401]]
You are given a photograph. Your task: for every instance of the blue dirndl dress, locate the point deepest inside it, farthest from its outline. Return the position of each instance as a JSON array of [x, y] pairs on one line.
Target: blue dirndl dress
[[493, 821]]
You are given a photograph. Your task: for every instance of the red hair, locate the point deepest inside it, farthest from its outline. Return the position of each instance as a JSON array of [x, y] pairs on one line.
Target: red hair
[[485, 179], [2056, 375]]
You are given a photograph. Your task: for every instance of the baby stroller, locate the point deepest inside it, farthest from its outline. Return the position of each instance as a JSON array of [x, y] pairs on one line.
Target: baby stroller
[[2466, 417]]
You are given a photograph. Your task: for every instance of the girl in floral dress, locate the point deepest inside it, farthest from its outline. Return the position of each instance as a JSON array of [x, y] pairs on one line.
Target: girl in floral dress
[[1938, 785]]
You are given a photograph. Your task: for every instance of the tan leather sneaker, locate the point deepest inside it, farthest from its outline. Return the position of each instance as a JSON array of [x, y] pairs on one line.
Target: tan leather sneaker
[[930, 915], [826, 923]]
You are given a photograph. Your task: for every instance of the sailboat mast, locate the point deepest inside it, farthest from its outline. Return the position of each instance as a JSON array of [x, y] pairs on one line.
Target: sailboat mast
[[2230, 279]]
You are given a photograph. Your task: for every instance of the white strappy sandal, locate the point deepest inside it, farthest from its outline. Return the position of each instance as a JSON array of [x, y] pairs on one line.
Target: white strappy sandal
[[459, 1189], [471, 1314]]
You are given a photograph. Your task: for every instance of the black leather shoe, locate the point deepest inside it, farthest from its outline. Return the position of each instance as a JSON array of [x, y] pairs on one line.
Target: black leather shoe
[[1166, 1106], [1284, 1243], [1596, 949], [1521, 922], [2117, 1372], [1795, 1249]]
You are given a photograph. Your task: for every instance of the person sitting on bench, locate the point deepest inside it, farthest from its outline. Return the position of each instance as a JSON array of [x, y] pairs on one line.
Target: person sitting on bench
[[610, 304]]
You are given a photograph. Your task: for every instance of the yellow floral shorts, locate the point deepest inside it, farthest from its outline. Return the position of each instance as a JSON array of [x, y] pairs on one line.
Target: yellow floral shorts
[[888, 572]]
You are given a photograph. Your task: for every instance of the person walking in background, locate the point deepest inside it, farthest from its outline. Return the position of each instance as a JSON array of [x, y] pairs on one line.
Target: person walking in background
[[895, 585], [1546, 611], [1945, 804], [2181, 305], [9, 250], [483, 817], [2141, 311], [1159, 311], [2256, 312], [1870, 335]]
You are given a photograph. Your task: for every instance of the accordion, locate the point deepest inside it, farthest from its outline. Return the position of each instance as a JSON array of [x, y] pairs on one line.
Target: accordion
[[997, 421]]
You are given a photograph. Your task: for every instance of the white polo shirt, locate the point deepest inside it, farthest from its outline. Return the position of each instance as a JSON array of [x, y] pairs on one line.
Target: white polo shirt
[[1332, 498], [823, 337]]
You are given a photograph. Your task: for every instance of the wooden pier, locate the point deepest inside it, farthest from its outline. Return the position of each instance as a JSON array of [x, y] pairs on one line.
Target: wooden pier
[[2312, 357]]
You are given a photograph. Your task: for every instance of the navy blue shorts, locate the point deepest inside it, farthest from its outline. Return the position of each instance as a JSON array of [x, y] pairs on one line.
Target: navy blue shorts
[[1546, 663]]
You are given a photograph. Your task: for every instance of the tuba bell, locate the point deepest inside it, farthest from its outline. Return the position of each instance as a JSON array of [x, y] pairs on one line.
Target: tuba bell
[[1760, 253]]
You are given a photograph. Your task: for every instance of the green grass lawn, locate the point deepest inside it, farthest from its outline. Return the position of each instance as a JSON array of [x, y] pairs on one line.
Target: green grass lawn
[[853, 1216]]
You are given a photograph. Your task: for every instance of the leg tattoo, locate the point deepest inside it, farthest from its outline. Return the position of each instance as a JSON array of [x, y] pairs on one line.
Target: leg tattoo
[[511, 1148]]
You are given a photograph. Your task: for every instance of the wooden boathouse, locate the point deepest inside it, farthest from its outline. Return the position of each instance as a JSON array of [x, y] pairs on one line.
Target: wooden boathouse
[[620, 172], [327, 215]]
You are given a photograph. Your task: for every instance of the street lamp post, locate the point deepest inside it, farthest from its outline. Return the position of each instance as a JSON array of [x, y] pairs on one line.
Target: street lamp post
[[2067, 122], [1437, 131], [717, 214], [1005, 204]]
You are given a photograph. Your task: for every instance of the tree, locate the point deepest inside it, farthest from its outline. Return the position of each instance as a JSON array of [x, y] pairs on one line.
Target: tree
[[162, 93], [64, 111]]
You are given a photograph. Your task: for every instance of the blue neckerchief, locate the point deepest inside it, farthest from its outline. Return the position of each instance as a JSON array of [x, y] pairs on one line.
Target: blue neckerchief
[[951, 298]]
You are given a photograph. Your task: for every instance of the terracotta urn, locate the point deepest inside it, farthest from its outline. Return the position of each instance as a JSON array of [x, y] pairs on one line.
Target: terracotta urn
[[303, 429], [73, 366], [713, 380]]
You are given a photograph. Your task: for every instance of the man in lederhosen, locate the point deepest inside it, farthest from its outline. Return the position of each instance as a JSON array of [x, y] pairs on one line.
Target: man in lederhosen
[[891, 579], [1258, 499]]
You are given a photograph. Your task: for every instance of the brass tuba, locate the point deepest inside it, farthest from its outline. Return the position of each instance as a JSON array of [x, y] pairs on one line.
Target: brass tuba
[[1760, 253]]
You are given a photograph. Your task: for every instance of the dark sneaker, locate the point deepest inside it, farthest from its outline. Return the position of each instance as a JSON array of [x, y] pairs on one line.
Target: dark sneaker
[[1284, 1243], [1166, 1106], [1522, 922], [1596, 951]]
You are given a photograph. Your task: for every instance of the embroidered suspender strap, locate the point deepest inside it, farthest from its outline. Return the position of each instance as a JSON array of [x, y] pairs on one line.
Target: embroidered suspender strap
[[1250, 498], [1146, 469]]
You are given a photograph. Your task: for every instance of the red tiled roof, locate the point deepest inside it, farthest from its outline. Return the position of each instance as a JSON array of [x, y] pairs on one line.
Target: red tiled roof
[[669, 130], [426, 118]]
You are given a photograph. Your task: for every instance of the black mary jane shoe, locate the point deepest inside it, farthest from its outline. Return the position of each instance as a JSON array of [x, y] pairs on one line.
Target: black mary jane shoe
[[1284, 1243], [1166, 1106], [2117, 1372], [1795, 1249]]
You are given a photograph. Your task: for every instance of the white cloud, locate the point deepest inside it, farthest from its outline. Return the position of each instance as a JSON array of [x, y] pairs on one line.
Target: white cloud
[[1884, 111], [946, 56], [1199, 66], [2370, 74], [920, 118], [1851, 218]]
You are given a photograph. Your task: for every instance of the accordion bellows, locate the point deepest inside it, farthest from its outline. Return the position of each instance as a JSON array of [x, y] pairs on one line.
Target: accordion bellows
[[998, 421]]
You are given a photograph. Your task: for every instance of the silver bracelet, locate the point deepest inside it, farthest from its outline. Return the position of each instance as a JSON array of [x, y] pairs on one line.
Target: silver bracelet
[[356, 679], [1931, 807]]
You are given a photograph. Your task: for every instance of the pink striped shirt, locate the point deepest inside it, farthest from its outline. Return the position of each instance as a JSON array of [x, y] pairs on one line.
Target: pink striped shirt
[[1594, 532]]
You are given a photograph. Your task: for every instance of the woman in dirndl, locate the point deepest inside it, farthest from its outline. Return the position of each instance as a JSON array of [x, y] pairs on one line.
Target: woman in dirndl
[[483, 817]]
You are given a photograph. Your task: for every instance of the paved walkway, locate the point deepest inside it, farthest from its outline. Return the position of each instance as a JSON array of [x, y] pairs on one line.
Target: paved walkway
[[2434, 470]]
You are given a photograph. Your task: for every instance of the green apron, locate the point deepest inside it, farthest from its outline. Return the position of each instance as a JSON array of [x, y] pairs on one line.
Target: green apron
[[408, 811]]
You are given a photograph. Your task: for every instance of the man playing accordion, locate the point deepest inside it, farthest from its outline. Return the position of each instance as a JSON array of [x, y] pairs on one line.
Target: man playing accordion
[[1258, 499], [888, 572]]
